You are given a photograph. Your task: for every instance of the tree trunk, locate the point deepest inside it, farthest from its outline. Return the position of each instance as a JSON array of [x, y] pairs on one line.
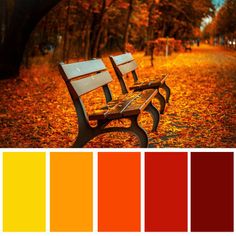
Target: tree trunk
[[87, 34], [26, 14], [3, 20], [97, 42], [87, 41], [150, 33], [126, 32], [97, 30], [65, 45]]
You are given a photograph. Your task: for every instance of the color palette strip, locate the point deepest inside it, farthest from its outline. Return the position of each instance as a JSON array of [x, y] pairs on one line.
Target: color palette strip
[[24, 187], [166, 192], [118, 191]]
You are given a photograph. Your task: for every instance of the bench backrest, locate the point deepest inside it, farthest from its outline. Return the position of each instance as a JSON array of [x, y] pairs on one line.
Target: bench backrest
[[85, 76], [81, 78], [124, 64]]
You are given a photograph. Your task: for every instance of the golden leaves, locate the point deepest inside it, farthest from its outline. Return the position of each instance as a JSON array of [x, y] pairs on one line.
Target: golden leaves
[[36, 110]]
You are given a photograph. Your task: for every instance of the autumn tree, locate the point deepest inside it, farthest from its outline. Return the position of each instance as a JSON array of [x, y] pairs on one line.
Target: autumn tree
[[179, 19], [223, 23], [92, 27], [18, 18], [88, 28], [225, 19]]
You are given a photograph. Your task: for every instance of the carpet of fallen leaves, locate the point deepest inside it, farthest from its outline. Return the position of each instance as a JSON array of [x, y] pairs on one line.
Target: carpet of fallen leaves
[[36, 109]]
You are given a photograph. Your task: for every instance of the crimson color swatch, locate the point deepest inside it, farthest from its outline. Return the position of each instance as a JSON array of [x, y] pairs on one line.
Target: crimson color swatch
[[212, 192], [166, 194], [118, 192]]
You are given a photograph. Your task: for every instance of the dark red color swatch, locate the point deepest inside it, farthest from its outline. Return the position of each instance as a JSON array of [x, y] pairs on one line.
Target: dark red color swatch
[[212, 192], [166, 195]]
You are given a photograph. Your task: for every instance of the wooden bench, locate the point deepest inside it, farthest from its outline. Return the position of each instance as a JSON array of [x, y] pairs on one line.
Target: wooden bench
[[187, 47], [125, 64], [83, 77]]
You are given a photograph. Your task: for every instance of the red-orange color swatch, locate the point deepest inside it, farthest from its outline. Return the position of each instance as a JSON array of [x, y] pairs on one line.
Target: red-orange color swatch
[[119, 192], [166, 192]]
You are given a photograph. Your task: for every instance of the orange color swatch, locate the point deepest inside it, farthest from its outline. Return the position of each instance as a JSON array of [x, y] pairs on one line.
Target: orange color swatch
[[119, 192], [71, 192]]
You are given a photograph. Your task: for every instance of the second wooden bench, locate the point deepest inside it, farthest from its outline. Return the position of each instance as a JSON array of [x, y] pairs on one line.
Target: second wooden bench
[[124, 64]]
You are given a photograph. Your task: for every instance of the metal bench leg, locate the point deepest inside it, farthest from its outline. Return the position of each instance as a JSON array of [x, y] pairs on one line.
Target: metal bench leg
[[82, 140], [139, 132], [79, 143], [167, 89], [162, 102], [155, 115], [88, 134]]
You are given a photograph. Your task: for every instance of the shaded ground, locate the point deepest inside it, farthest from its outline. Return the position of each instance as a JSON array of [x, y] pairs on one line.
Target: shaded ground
[[36, 110]]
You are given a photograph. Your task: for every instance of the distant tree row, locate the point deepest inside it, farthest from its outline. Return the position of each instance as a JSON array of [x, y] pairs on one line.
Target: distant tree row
[[90, 28], [224, 23]]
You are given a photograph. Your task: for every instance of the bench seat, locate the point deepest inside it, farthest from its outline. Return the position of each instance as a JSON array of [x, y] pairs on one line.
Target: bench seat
[[131, 105], [149, 84]]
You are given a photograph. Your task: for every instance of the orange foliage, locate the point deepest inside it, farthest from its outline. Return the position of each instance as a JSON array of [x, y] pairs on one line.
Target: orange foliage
[[36, 110]]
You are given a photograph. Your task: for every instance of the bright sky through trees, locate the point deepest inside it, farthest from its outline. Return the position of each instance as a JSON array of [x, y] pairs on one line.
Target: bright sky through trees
[[218, 3]]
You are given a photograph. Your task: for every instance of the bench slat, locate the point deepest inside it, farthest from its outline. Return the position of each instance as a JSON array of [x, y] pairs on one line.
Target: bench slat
[[98, 115], [77, 69], [90, 83], [121, 59], [140, 102], [117, 110], [128, 67], [133, 104], [149, 84], [140, 86]]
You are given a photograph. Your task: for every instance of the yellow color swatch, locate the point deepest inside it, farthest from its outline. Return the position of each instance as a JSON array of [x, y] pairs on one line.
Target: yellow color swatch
[[24, 186], [71, 184]]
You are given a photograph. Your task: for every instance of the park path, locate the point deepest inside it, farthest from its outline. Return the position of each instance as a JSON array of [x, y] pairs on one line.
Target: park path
[[202, 108], [36, 110]]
